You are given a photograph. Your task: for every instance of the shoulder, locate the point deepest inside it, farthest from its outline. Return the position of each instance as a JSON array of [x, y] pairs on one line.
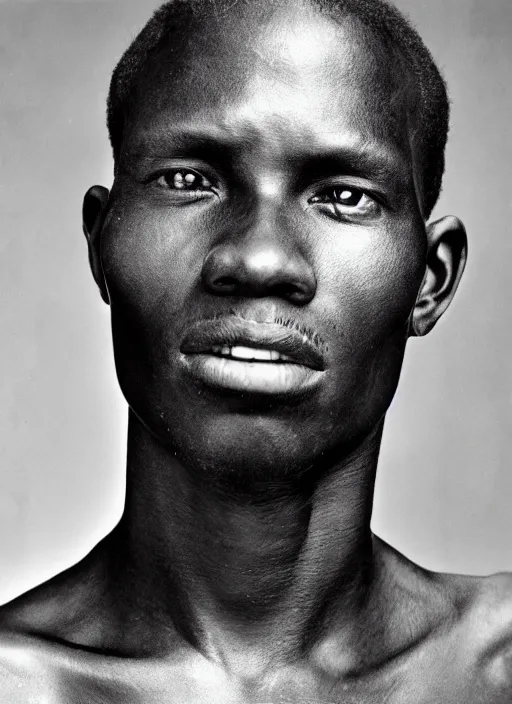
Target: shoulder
[[482, 603], [467, 621], [43, 608], [61, 607], [39, 662], [483, 629], [23, 671], [490, 616], [27, 668], [35, 670]]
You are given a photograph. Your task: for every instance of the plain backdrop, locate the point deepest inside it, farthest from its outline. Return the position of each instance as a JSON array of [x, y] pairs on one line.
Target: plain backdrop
[[444, 493]]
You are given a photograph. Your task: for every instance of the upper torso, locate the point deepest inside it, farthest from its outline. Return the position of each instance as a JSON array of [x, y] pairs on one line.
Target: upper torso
[[463, 662], [465, 658]]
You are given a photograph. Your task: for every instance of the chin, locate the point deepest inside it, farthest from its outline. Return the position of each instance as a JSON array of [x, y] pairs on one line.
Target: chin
[[246, 448], [240, 439]]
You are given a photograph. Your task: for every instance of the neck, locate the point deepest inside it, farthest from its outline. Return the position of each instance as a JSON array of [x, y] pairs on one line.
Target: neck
[[219, 565]]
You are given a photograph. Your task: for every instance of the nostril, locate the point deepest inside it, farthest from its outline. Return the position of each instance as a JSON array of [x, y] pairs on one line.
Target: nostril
[[253, 270], [294, 292], [285, 289], [225, 282]]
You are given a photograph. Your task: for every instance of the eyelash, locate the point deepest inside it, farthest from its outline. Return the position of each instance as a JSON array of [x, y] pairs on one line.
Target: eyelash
[[331, 199]]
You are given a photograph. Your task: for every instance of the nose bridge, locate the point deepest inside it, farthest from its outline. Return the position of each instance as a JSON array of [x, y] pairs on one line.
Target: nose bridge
[[264, 248], [269, 239], [266, 226], [260, 253]]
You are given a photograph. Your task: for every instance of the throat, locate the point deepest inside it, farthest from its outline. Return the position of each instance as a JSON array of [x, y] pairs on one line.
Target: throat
[[227, 566]]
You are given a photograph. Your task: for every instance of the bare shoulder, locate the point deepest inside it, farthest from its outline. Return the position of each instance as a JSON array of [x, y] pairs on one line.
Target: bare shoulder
[[465, 631], [484, 603], [24, 675], [34, 670], [484, 628], [28, 669], [40, 659], [481, 605], [491, 616], [62, 607]]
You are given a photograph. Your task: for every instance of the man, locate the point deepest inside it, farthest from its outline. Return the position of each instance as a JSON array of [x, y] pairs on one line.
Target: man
[[266, 255]]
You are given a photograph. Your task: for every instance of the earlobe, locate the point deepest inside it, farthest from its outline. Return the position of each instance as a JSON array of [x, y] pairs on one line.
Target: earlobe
[[93, 213], [446, 259]]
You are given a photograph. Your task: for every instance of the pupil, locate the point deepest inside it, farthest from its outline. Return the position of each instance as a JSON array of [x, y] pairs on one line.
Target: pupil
[[348, 196]]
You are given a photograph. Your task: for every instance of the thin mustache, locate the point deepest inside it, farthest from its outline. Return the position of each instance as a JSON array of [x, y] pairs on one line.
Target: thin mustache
[[313, 337]]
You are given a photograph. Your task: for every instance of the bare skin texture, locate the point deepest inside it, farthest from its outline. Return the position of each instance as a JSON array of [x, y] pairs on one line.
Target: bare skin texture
[[244, 569]]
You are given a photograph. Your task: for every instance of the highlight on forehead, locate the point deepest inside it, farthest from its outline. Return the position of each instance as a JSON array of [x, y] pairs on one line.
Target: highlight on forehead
[[260, 73], [176, 23]]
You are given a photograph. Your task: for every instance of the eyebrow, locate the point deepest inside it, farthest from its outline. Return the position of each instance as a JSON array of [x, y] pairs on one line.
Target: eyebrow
[[367, 163], [169, 142], [349, 154]]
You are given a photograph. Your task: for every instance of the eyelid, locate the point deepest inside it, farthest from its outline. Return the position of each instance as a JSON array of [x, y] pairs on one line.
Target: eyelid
[[195, 174], [199, 168], [350, 183], [371, 209], [182, 196]]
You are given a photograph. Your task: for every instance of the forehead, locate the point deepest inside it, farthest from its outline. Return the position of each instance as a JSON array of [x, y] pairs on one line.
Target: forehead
[[285, 74]]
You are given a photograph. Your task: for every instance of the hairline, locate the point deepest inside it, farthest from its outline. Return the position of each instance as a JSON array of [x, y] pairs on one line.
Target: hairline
[[416, 104]]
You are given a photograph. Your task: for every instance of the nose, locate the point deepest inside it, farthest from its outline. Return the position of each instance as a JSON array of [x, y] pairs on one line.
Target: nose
[[260, 258]]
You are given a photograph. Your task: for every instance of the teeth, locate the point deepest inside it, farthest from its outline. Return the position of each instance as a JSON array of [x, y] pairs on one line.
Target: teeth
[[250, 353]]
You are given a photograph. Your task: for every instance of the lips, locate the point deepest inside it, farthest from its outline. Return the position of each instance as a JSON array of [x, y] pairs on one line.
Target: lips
[[233, 354], [220, 336]]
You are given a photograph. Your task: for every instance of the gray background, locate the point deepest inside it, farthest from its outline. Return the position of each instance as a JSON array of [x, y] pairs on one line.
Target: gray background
[[445, 483]]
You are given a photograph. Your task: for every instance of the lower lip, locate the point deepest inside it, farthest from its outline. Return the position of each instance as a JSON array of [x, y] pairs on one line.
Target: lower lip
[[251, 377]]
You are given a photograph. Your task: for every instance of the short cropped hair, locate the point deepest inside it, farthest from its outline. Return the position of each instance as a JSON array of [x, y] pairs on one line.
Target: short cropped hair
[[378, 16]]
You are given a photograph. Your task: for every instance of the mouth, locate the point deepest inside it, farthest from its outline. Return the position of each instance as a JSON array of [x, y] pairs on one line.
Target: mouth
[[246, 356], [251, 354]]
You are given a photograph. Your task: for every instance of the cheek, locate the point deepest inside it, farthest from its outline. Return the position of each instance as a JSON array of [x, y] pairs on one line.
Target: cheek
[[152, 264], [372, 281], [370, 287], [150, 261]]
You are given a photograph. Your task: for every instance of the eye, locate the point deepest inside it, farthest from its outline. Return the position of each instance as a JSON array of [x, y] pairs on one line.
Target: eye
[[348, 201], [184, 180]]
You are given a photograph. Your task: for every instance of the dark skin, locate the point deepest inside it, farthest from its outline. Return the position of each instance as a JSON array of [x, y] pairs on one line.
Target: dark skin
[[244, 569]]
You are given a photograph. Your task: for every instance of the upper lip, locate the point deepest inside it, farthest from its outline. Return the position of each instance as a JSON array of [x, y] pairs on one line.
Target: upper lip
[[232, 331]]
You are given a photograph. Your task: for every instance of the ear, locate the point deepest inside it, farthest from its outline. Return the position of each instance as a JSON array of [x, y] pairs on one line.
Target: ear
[[446, 259], [93, 212]]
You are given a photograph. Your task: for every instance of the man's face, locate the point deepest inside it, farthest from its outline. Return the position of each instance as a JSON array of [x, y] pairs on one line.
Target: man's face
[[265, 199]]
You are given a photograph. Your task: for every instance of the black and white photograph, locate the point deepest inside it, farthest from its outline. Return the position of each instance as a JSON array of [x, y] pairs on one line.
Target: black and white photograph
[[256, 349]]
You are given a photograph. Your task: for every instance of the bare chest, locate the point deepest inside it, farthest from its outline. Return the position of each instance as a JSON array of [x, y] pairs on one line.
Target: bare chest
[[439, 674]]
